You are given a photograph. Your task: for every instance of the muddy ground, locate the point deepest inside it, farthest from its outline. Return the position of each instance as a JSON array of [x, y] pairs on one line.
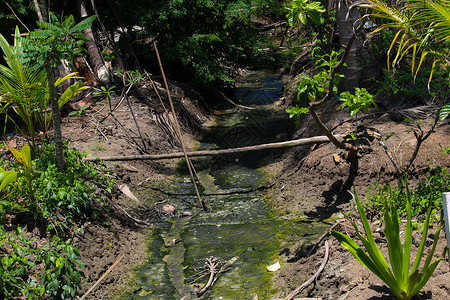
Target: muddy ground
[[310, 181]]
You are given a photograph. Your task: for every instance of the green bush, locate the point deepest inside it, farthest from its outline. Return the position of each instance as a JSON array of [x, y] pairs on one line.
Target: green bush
[[59, 197], [30, 269], [200, 41], [51, 270], [436, 181]]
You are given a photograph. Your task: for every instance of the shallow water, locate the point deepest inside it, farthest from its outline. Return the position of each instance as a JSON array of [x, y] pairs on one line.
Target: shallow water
[[240, 224]]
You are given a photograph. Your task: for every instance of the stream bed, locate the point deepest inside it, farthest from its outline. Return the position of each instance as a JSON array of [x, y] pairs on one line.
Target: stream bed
[[240, 232]]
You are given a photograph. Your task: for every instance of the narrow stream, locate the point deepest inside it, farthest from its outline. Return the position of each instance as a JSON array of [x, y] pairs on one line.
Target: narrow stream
[[240, 228]]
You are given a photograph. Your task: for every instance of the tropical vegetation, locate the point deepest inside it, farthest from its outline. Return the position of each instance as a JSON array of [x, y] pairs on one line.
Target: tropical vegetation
[[206, 43], [403, 280]]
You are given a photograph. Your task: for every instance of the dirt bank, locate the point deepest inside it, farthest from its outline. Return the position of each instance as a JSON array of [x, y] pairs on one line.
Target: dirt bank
[[314, 182]]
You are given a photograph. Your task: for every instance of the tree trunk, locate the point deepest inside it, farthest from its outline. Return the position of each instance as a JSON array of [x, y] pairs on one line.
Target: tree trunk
[[95, 56], [132, 54], [38, 10], [293, 143], [56, 118], [346, 21], [119, 60]]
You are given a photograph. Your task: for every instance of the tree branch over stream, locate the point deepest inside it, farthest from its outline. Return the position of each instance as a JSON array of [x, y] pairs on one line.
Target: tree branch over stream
[[292, 143]]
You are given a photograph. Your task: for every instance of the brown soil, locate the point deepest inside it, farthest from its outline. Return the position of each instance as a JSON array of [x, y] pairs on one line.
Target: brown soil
[[315, 182], [123, 233], [310, 181]]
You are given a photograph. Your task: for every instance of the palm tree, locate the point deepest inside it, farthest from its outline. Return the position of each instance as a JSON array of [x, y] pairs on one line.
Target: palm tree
[[423, 30], [24, 89], [93, 51]]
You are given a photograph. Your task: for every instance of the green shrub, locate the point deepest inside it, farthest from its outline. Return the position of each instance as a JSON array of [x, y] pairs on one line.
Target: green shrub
[[201, 41], [436, 181], [51, 270], [59, 197]]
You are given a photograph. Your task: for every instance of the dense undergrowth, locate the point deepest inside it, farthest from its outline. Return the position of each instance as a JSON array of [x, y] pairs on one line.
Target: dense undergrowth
[[60, 203], [431, 185]]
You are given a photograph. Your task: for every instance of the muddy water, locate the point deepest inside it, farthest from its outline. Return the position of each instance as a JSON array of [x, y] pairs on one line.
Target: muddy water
[[240, 229]]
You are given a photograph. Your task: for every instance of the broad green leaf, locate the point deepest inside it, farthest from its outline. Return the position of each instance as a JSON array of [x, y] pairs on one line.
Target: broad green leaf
[[444, 112], [70, 92], [6, 177], [356, 251]]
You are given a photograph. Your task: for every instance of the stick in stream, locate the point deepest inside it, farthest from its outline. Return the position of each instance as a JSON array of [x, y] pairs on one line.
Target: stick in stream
[[212, 263], [177, 126], [293, 143]]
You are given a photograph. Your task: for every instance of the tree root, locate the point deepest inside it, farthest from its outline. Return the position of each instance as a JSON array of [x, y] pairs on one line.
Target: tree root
[[324, 236]]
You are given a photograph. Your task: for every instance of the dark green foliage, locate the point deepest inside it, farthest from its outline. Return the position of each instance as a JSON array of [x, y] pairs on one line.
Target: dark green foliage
[[200, 41], [403, 84], [56, 40], [60, 199], [24, 9], [60, 276]]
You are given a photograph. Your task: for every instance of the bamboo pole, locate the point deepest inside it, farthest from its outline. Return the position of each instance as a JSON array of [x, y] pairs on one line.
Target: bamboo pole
[[102, 277], [178, 130], [292, 143]]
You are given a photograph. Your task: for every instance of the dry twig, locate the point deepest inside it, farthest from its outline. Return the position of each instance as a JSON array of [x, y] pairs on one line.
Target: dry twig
[[101, 278], [311, 280]]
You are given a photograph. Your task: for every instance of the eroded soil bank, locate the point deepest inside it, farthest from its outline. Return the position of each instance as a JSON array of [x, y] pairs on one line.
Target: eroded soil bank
[[304, 181]]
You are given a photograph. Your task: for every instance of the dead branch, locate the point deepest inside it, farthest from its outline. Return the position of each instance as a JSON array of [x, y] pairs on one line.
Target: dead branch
[[421, 136], [213, 264], [292, 143], [329, 95], [232, 103], [15, 15], [140, 222], [177, 126], [136, 123], [101, 278], [233, 192], [311, 280], [389, 155], [325, 235]]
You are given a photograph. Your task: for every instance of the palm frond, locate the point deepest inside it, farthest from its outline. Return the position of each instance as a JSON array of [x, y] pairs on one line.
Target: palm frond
[[433, 14], [422, 26], [85, 24]]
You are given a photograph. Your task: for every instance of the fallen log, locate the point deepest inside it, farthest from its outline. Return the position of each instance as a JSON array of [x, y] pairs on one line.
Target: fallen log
[[292, 143]]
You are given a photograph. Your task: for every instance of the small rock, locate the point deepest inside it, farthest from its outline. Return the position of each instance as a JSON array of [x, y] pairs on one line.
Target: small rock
[[168, 209]]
